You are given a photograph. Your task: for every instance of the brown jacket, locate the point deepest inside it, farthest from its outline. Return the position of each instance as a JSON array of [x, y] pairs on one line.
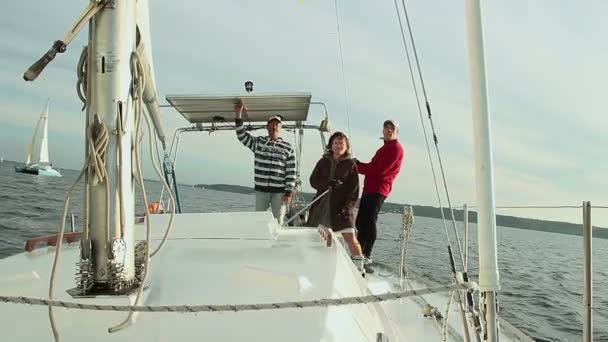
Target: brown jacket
[[336, 209]]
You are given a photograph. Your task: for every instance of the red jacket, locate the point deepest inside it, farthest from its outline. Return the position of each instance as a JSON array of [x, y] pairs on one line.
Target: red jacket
[[382, 170]]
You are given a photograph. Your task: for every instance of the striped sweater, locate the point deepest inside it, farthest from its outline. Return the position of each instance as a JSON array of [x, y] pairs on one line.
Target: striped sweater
[[275, 162]]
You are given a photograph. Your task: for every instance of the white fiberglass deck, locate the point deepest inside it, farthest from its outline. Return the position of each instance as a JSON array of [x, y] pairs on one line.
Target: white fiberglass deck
[[229, 258]]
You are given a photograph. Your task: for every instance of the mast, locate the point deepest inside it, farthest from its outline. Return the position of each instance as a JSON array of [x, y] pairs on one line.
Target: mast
[[118, 69], [484, 175], [43, 152], [110, 248]]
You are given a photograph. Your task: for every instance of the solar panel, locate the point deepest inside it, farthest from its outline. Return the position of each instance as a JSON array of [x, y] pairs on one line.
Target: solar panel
[[220, 108]]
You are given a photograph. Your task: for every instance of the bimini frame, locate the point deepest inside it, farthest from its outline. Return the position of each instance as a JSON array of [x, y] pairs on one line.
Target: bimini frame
[[216, 113]]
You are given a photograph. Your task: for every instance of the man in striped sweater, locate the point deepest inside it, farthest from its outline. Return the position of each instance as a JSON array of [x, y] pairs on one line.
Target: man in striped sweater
[[274, 166]]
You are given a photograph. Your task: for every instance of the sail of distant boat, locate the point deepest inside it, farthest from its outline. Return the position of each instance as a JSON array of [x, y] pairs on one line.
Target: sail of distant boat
[[40, 155]]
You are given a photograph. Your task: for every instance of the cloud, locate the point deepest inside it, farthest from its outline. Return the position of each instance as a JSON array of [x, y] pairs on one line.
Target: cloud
[[549, 68]]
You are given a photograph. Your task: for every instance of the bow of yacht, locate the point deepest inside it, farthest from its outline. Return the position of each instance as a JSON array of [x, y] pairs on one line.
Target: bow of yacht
[[229, 277]]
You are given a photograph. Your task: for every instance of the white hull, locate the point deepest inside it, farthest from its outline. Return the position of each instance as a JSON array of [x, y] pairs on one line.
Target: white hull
[[36, 169], [229, 258]]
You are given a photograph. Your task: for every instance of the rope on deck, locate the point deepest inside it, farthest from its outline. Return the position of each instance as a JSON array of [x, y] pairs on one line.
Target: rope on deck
[[239, 307]]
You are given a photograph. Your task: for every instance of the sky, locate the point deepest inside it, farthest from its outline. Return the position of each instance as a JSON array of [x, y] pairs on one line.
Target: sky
[[546, 67]]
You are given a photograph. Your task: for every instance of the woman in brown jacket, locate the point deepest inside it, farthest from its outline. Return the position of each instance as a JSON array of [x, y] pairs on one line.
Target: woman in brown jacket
[[337, 171]]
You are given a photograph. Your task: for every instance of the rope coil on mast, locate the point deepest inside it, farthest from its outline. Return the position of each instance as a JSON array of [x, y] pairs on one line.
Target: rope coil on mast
[[97, 137], [81, 73], [136, 91], [137, 88]]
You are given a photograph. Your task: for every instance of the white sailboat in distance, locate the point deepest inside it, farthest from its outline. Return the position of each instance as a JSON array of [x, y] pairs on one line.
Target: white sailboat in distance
[[37, 162]]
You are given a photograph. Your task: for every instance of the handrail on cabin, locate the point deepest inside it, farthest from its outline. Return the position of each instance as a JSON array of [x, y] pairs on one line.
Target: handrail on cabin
[[51, 240]]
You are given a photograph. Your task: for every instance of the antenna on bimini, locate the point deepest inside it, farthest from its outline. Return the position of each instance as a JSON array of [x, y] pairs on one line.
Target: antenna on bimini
[[249, 86]]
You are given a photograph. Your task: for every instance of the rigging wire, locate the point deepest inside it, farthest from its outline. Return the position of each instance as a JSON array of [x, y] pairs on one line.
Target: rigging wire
[[426, 140], [343, 75], [428, 108]]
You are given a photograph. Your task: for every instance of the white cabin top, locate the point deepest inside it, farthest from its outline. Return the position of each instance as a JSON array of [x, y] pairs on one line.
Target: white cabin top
[[220, 108]]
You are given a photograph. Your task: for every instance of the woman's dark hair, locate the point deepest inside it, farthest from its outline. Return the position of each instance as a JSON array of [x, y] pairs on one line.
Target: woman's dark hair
[[334, 136]]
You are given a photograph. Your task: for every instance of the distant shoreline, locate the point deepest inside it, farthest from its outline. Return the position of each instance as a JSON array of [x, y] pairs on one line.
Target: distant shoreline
[[433, 212]]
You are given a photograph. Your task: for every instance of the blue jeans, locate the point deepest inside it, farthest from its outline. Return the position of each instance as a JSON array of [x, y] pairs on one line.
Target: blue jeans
[[369, 207], [263, 200]]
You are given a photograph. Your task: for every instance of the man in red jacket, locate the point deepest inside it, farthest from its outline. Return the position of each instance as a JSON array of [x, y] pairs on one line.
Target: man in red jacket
[[379, 174]]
